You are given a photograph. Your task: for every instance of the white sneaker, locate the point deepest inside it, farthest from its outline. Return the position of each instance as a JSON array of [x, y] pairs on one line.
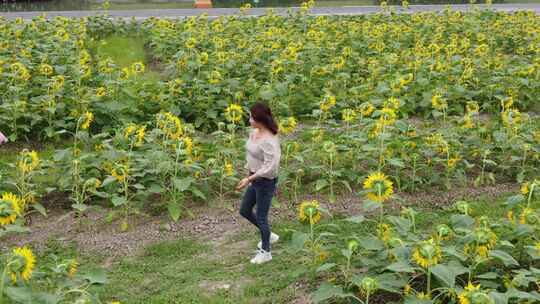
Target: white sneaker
[[273, 238], [261, 257]]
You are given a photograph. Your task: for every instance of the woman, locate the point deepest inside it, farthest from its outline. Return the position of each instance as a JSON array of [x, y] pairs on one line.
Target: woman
[[263, 153], [3, 139]]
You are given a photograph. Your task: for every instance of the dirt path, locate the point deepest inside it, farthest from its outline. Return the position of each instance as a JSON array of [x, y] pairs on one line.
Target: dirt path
[[208, 225]]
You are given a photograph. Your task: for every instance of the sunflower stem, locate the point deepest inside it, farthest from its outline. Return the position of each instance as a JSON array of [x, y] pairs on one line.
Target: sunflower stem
[[429, 281], [2, 282]]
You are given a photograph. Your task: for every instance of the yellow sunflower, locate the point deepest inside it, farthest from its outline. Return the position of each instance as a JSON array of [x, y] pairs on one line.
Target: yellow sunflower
[[528, 216], [22, 263], [170, 125], [427, 254], [287, 126], [233, 113], [348, 115], [366, 109], [379, 186], [327, 102], [473, 294], [101, 91], [28, 161], [309, 212], [388, 116], [525, 189], [137, 67], [228, 169], [72, 268], [10, 208], [88, 118], [438, 102], [46, 69]]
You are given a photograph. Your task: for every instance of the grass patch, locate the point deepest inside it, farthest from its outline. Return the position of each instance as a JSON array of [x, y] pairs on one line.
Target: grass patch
[[122, 50], [187, 271]]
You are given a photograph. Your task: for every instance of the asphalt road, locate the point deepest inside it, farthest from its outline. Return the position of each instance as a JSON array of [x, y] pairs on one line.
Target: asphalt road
[[216, 12]]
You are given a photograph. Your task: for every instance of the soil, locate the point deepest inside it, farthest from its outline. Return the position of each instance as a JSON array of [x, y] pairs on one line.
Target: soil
[[95, 233]]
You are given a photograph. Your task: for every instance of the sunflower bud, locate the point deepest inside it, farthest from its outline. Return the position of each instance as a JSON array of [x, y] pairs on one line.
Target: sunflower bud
[[369, 285], [463, 207], [352, 245]]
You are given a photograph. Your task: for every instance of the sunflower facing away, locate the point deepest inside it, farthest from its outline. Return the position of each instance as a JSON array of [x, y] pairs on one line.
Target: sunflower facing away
[[379, 187], [483, 241], [472, 295], [309, 212], [427, 254]]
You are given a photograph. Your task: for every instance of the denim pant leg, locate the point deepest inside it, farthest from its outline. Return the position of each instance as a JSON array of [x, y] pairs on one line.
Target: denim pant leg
[[264, 190], [248, 202]]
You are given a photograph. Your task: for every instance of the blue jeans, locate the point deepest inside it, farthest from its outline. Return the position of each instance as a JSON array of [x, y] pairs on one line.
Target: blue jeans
[[259, 193]]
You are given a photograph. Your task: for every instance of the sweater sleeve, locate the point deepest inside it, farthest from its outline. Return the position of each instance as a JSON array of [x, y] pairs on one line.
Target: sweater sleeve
[[270, 159]]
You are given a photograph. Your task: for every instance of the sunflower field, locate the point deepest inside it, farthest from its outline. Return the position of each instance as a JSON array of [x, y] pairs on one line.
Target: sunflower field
[[371, 106]]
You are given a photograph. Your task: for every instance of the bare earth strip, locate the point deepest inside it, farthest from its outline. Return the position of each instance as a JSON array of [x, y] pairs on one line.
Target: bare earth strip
[[215, 225]]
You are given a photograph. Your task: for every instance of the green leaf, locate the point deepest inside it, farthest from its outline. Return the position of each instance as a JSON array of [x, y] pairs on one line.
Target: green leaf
[[321, 183], [95, 276], [16, 228], [79, 207], [267, 94], [327, 291], [396, 162], [196, 192], [514, 293], [488, 276], [118, 201], [371, 243], [447, 273], [326, 267], [414, 300], [461, 221], [347, 185], [498, 298], [355, 219], [139, 187], [155, 188], [401, 266], [403, 225], [298, 240], [533, 252], [182, 184], [39, 207], [514, 200], [504, 257], [174, 210], [391, 282], [370, 206]]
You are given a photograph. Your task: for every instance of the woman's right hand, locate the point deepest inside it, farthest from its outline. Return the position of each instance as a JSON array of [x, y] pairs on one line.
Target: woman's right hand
[[243, 183]]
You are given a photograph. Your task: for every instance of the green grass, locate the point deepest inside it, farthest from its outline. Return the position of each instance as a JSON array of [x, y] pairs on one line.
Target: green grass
[[122, 50], [183, 271]]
